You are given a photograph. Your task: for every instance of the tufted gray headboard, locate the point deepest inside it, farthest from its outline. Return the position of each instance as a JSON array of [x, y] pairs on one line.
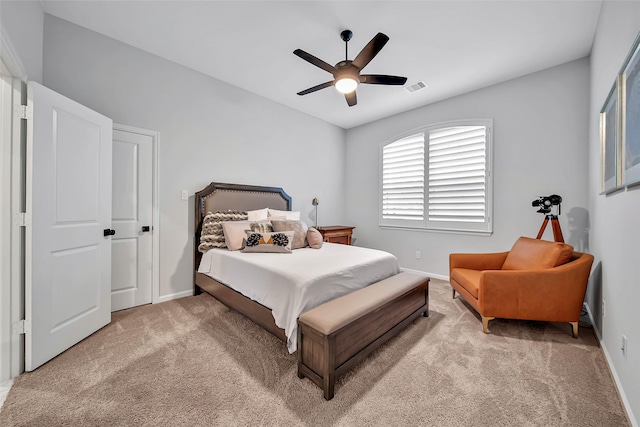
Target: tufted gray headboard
[[219, 197]]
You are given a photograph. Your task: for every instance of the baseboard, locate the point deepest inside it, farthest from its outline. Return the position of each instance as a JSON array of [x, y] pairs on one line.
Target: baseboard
[[5, 386], [432, 275], [163, 298], [614, 374]]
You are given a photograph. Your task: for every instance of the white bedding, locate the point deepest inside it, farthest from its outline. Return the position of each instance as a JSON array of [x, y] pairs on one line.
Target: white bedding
[[291, 284]]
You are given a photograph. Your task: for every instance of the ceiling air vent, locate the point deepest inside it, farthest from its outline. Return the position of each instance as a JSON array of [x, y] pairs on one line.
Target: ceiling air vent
[[416, 86]]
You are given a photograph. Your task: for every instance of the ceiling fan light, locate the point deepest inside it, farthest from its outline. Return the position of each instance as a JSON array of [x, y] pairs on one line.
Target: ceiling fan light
[[346, 85]]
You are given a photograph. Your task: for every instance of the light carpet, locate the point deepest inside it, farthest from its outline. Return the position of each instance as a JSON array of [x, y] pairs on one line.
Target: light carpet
[[193, 362]]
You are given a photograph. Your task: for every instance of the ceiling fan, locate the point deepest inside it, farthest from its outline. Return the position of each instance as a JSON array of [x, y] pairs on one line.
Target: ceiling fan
[[346, 74]]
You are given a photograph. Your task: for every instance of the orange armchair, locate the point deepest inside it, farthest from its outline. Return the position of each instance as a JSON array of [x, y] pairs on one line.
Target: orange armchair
[[536, 280]]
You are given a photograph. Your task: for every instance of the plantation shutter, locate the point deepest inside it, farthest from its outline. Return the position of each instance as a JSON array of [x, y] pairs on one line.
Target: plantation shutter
[[403, 179], [457, 174]]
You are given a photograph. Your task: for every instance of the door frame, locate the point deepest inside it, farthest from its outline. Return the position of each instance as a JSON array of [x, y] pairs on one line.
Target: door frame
[[155, 226], [12, 301]]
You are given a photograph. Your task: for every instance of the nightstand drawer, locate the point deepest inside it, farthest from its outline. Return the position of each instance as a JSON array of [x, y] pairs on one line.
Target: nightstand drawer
[[336, 234]]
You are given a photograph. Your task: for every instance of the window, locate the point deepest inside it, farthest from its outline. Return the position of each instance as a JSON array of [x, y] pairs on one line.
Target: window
[[437, 178]]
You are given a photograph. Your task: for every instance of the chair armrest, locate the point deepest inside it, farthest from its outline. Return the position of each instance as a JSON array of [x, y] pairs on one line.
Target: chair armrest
[[490, 261], [553, 294]]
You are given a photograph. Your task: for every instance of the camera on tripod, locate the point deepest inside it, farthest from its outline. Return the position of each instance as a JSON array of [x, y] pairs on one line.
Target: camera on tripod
[[546, 202]]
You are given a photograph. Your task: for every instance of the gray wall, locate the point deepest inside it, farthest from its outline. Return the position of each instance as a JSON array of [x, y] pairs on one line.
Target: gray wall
[[542, 142], [209, 131], [615, 238], [540, 148], [21, 23]]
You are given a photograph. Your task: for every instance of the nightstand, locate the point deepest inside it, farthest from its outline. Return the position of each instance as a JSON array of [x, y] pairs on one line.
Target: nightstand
[[336, 234]]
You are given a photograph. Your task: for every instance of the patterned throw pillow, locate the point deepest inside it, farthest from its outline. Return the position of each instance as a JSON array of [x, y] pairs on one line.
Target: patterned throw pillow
[[212, 234], [276, 242], [234, 232], [261, 227], [300, 238]]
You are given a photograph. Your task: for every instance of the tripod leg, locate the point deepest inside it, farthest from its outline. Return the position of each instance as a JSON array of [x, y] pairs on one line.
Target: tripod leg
[[544, 225], [557, 232]]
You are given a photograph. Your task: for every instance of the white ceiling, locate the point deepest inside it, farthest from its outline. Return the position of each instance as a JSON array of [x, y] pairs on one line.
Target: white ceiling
[[453, 46]]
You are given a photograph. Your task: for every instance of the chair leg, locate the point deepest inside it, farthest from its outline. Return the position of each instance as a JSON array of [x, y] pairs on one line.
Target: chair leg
[[453, 295], [574, 331], [485, 323]]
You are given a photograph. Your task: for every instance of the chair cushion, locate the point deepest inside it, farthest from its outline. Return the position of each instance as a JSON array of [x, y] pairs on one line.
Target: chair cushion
[[468, 279], [536, 254]]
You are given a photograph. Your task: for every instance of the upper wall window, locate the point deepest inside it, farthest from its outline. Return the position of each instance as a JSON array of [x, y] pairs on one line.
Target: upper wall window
[[438, 178]]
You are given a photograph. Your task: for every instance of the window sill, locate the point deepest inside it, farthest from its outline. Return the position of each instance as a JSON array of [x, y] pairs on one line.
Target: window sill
[[437, 230]]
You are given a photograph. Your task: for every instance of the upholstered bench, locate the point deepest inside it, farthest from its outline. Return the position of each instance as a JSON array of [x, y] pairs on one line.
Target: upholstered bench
[[335, 336]]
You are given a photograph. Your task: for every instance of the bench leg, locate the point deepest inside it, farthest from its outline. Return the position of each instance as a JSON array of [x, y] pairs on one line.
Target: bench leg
[[485, 323], [329, 368], [425, 313], [329, 386]]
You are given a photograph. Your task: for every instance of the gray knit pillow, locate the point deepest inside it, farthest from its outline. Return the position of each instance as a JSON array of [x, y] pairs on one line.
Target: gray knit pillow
[[212, 235], [300, 228]]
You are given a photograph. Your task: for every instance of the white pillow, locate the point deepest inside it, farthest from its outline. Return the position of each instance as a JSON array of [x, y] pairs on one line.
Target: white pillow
[[258, 214], [285, 214]]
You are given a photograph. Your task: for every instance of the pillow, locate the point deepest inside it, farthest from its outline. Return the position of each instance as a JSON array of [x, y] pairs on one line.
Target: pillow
[[536, 254], [314, 238], [258, 214], [234, 233], [300, 236], [284, 214], [212, 234], [276, 242], [261, 226]]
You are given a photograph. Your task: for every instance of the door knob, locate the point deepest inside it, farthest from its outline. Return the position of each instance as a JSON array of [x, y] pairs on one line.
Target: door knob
[[109, 232], [145, 228]]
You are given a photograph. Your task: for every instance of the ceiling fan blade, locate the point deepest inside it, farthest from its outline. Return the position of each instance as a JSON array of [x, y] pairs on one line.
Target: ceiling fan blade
[[381, 79], [315, 61], [316, 88], [370, 50], [351, 98]]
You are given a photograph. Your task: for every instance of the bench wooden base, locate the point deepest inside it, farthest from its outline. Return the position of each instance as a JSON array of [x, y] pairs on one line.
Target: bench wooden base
[[325, 356]]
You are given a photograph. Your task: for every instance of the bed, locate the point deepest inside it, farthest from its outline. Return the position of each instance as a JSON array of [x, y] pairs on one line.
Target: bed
[[292, 284], [230, 289]]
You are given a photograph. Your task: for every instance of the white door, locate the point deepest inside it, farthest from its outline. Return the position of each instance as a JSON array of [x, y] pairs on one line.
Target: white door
[[68, 200], [132, 245]]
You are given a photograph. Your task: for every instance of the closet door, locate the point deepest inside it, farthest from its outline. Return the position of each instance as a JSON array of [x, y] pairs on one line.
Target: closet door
[[132, 218], [68, 240]]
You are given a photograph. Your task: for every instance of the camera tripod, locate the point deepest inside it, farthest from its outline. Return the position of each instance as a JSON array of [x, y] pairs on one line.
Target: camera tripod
[[555, 224]]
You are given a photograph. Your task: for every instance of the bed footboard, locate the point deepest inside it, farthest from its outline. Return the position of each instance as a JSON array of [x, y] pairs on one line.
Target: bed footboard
[[337, 335]]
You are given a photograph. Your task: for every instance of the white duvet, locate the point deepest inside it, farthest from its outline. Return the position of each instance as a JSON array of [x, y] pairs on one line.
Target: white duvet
[[291, 284]]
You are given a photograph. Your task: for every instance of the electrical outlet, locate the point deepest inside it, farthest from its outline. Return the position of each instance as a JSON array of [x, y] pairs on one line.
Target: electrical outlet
[[185, 195], [604, 311], [624, 346], [418, 254]]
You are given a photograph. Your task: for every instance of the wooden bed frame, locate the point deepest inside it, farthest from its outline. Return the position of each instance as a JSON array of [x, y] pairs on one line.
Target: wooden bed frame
[[369, 327], [222, 197]]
